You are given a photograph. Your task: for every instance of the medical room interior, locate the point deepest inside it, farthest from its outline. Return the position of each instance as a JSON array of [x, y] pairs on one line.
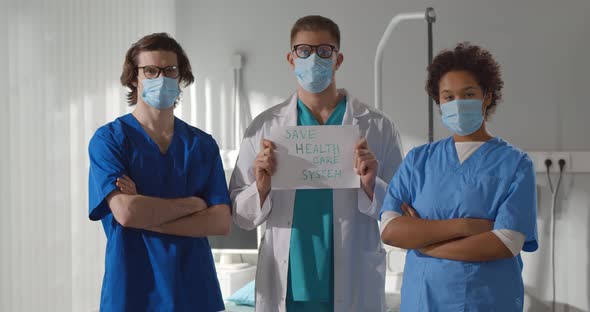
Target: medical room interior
[[62, 61]]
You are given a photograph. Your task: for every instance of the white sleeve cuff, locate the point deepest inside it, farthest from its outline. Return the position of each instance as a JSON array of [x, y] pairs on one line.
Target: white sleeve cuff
[[512, 239], [372, 208], [265, 208], [248, 213], [364, 202], [386, 217]]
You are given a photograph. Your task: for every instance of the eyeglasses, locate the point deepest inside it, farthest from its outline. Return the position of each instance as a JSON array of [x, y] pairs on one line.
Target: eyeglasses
[[152, 71], [323, 50]]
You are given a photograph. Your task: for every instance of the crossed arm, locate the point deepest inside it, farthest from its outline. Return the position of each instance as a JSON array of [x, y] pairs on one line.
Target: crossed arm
[[187, 216], [460, 239]]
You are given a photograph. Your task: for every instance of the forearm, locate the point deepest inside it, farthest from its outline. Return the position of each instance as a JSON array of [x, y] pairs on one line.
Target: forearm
[[138, 211], [369, 190], [263, 196], [482, 247], [214, 220], [414, 233]]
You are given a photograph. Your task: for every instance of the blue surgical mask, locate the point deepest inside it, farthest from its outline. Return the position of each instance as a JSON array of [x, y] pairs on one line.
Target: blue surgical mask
[[462, 116], [314, 73], [161, 92]]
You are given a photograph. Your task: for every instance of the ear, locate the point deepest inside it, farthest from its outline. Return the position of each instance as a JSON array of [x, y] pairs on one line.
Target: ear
[[291, 60], [339, 60], [488, 100], [135, 80]]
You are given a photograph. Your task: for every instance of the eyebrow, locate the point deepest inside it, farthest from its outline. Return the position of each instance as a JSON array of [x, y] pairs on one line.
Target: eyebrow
[[158, 66], [464, 89]]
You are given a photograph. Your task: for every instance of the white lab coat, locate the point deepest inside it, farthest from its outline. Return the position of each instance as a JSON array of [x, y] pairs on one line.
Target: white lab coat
[[359, 258]]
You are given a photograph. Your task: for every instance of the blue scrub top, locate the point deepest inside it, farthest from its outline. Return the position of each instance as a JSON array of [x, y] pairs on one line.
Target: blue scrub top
[[144, 270], [496, 183], [311, 263]]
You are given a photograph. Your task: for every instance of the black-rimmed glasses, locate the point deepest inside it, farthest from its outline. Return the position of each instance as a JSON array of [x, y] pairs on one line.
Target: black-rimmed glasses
[[323, 50], [152, 71]]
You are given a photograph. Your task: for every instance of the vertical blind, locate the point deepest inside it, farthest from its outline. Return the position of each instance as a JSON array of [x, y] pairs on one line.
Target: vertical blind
[[60, 61]]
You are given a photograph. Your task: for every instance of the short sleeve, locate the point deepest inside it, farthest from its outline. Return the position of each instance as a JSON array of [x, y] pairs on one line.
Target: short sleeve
[[399, 188], [518, 212], [216, 191], [106, 165]]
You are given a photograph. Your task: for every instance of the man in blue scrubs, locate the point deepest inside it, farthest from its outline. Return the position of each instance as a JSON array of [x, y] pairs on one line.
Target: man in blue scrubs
[[158, 186]]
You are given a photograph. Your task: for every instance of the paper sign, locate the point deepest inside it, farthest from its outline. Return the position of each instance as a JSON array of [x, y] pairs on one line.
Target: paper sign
[[315, 157]]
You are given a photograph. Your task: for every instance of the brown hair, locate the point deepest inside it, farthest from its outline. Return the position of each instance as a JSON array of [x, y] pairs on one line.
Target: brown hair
[[153, 42], [473, 59], [316, 23]]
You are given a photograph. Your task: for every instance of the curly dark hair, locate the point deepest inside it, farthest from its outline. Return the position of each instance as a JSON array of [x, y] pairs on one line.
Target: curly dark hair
[[153, 42], [473, 59]]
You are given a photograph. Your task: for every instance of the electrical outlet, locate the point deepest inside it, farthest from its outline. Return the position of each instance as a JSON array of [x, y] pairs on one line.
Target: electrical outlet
[[539, 159]]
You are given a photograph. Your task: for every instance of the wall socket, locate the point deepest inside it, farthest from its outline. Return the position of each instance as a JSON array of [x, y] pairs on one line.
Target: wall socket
[[540, 157]]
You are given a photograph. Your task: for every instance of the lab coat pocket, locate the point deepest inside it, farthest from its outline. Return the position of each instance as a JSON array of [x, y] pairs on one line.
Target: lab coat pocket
[[481, 196], [372, 277]]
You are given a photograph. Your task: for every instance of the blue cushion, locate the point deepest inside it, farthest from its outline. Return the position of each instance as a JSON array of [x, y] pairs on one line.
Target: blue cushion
[[245, 295]]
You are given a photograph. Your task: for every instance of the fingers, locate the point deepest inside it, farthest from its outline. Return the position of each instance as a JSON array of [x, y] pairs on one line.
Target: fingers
[[123, 183], [266, 164], [267, 152], [413, 212], [409, 211], [126, 186], [125, 177], [127, 180], [363, 154], [404, 208], [364, 163], [264, 144], [361, 144]]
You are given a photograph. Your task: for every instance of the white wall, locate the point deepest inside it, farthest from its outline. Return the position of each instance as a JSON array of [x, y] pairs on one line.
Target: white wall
[[541, 45]]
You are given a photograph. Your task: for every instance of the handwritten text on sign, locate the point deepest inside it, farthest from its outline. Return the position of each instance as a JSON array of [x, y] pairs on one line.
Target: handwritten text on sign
[[315, 157]]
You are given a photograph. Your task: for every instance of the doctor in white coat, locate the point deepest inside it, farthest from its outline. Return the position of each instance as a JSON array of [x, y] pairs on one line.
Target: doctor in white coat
[[356, 254]]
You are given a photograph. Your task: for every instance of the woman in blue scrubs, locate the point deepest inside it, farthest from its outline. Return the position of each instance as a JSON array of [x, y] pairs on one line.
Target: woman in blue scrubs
[[158, 186], [464, 206]]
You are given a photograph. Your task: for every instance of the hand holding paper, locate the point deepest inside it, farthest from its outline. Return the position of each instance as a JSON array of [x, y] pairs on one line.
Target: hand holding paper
[[264, 168], [366, 166]]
